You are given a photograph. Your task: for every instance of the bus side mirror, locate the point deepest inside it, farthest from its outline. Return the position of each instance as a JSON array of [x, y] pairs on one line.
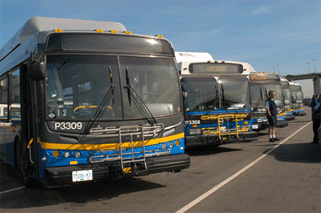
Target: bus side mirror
[[37, 70]]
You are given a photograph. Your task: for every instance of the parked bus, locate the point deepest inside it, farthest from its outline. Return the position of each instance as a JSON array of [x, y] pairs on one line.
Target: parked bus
[[216, 100], [297, 98], [287, 99], [260, 85], [97, 102]]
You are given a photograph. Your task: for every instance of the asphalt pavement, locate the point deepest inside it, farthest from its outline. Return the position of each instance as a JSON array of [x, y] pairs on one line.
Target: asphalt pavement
[[256, 176]]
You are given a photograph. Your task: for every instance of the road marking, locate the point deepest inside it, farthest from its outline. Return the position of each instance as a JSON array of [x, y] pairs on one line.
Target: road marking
[[11, 190], [220, 185]]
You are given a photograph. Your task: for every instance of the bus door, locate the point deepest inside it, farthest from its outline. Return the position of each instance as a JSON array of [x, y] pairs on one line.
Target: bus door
[[30, 106]]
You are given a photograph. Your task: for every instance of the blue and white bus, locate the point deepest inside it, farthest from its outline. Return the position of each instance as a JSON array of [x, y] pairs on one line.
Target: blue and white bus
[[260, 85], [287, 99], [95, 102], [216, 100], [297, 99]]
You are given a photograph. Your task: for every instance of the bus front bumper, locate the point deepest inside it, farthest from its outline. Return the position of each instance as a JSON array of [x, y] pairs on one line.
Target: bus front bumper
[[289, 117], [112, 170], [282, 123], [300, 113], [201, 140]]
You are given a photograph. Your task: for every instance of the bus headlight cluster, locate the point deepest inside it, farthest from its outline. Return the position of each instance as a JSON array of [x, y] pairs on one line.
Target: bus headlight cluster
[[194, 131], [77, 154], [164, 146], [67, 154], [261, 110]]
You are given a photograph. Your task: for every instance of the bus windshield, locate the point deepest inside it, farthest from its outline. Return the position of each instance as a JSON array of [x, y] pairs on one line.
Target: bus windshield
[[297, 94], [287, 96], [235, 93], [202, 94], [78, 84], [257, 95], [277, 88]]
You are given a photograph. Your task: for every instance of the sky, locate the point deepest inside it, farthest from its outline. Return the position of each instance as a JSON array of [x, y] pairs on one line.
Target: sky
[[282, 36]]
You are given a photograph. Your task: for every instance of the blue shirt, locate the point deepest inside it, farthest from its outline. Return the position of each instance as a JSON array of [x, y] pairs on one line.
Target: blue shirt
[[267, 104], [317, 106]]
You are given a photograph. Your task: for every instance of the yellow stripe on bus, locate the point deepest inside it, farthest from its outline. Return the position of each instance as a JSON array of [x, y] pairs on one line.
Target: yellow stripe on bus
[[45, 145]]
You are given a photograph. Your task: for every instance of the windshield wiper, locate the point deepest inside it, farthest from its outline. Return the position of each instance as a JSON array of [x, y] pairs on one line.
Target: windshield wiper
[[223, 95], [132, 94], [104, 104]]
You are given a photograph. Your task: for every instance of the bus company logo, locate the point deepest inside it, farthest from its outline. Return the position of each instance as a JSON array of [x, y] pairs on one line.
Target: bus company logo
[[51, 115]]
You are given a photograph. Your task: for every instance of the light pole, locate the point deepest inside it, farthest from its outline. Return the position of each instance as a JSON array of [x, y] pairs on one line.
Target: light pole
[[308, 67], [278, 69], [315, 69], [274, 70]]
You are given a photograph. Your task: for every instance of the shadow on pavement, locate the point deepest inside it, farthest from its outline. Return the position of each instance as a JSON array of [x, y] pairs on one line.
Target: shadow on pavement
[[76, 195], [298, 153], [208, 150]]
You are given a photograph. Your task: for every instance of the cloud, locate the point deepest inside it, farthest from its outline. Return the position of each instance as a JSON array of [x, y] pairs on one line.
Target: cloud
[[262, 10]]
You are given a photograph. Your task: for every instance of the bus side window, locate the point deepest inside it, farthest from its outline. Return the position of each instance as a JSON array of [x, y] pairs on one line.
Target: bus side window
[[15, 112], [4, 99]]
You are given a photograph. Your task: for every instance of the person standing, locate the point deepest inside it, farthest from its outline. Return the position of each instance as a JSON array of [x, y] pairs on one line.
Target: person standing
[[271, 112], [316, 120], [312, 104]]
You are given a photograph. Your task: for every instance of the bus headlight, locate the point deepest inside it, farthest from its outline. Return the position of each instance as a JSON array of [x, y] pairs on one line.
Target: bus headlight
[[164, 146], [171, 144], [67, 154], [77, 154]]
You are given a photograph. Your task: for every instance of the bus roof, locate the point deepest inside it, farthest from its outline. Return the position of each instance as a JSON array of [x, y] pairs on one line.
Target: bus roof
[[183, 59], [193, 57], [39, 24]]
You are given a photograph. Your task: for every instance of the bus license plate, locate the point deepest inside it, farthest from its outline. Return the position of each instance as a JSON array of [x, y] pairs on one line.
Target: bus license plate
[[255, 126], [82, 175]]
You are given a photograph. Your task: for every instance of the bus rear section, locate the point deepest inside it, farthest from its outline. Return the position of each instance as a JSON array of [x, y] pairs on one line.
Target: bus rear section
[[216, 105], [92, 111], [297, 99]]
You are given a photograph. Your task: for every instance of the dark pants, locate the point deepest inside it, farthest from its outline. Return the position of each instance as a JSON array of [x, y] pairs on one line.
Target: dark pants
[[272, 121], [316, 125]]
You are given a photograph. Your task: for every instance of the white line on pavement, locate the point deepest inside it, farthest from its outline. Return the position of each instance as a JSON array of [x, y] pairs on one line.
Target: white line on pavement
[[217, 187], [11, 190]]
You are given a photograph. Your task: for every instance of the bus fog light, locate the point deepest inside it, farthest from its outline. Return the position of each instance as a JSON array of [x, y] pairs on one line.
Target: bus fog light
[[178, 142], [164, 146], [77, 154], [171, 144], [67, 154], [56, 154]]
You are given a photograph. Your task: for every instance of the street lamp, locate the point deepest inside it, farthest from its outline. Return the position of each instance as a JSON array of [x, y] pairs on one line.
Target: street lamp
[[315, 69], [308, 67]]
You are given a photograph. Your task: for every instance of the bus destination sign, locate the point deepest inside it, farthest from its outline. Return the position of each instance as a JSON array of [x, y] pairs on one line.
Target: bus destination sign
[[217, 68]]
